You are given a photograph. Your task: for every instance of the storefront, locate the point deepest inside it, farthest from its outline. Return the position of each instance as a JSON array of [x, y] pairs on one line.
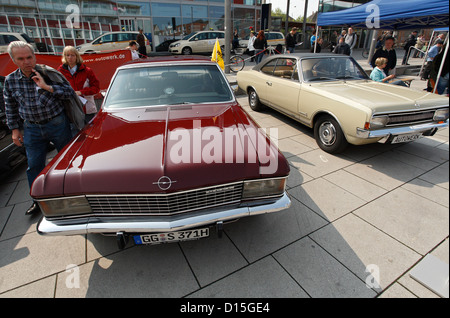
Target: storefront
[[54, 24]]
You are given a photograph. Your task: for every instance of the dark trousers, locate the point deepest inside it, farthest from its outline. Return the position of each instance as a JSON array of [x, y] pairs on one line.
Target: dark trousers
[[36, 139]]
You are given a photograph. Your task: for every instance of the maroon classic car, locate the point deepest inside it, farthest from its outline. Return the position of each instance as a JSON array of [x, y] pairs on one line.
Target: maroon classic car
[[170, 154]]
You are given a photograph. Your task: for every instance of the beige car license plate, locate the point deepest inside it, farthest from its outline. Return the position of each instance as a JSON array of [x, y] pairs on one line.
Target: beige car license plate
[[406, 138], [157, 238]]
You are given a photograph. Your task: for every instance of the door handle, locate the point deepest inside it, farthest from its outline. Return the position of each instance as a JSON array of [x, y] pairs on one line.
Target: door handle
[[269, 83]]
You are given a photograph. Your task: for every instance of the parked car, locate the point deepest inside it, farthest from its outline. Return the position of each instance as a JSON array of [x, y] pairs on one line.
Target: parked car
[[8, 37], [197, 42], [170, 154], [11, 156], [333, 95], [273, 39], [112, 41], [164, 46]]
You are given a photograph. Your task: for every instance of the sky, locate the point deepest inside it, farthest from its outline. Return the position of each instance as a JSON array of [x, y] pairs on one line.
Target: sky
[[296, 7]]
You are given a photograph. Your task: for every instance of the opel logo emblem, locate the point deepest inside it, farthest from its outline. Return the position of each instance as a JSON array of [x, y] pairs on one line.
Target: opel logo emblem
[[164, 183]]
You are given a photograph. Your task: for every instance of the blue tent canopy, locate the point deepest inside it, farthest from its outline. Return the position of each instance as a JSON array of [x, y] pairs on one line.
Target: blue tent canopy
[[393, 15]]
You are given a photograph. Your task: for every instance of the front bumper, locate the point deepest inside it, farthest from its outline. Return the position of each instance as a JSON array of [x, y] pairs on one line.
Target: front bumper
[[384, 135], [157, 224]]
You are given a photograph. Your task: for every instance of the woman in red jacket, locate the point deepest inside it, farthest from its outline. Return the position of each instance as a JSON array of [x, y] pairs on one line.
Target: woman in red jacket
[[81, 78]]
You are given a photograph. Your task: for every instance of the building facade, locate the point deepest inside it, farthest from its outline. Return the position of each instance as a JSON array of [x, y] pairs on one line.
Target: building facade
[[54, 24]]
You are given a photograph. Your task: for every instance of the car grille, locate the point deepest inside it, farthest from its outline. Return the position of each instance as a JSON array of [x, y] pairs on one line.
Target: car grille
[[166, 204], [410, 118]]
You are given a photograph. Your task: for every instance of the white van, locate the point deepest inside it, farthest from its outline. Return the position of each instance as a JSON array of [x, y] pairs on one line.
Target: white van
[[8, 37], [112, 41], [197, 42]]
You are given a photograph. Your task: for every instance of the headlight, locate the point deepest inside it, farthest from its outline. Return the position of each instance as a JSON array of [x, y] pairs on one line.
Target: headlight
[[441, 115], [65, 206], [264, 188], [378, 122], [175, 45]]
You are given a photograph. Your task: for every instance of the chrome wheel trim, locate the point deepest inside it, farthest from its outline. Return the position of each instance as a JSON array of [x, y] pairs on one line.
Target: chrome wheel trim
[[327, 133], [253, 98]]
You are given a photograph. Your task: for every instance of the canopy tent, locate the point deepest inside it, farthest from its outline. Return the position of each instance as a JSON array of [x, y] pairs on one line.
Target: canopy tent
[[393, 15]]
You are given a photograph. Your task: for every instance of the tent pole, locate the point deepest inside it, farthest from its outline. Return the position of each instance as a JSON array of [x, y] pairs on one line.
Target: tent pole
[[426, 54], [441, 66], [317, 37]]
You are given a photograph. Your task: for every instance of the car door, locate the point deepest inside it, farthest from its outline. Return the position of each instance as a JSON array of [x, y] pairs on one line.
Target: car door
[[283, 86], [199, 42]]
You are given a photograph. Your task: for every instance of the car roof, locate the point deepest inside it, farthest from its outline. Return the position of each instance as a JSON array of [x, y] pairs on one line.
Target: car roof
[[170, 59], [299, 56]]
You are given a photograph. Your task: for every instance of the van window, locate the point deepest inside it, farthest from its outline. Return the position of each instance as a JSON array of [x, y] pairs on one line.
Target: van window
[[200, 36], [126, 37], [104, 39]]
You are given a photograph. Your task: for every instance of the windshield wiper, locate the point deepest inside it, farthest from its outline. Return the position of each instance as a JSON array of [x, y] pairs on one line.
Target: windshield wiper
[[321, 79], [347, 77]]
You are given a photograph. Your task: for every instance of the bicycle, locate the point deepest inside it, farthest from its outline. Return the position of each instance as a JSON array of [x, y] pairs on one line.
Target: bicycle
[[237, 63]]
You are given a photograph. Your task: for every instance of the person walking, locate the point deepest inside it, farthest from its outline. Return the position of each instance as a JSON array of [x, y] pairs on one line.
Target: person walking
[[291, 41], [260, 45], [39, 103], [342, 47], [250, 47], [350, 39], [81, 78], [140, 39], [410, 42]]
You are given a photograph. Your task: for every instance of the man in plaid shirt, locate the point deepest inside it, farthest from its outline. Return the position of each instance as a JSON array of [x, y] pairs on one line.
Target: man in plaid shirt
[[30, 98]]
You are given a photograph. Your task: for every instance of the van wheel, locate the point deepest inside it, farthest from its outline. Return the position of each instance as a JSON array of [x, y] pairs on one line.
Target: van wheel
[[329, 135], [186, 51]]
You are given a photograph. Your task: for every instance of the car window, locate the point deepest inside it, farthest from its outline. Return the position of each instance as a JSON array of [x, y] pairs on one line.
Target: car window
[[106, 38], [216, 35], [126, 36], [331, 69], [269, 67], [168, 85], [285, 68], [11, 38], [200, 36]]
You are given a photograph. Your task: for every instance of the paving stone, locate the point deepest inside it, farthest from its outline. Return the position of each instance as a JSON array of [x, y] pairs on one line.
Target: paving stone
[[247, 283], [413, 220], [361, 247], [319, 274], [139, 271]]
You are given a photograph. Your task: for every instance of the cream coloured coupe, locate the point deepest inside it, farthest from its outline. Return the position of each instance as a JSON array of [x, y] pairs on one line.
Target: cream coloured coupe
[[333, 95]]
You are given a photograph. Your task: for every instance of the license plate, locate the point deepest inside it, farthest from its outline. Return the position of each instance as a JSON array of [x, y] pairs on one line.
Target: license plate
[[406, 138], [157, 238]]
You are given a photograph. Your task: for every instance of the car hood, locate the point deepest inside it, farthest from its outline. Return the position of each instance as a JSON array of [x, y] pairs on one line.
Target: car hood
[[129, 151], [378, 97]]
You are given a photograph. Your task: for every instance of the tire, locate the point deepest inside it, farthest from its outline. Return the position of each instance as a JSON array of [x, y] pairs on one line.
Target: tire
[[253, 100], [186, 51], [329, 135], [236, 63]]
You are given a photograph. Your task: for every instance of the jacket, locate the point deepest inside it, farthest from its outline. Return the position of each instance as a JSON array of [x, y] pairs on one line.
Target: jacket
[[73, 105], [260, 44], [390, 55], [78, 79]]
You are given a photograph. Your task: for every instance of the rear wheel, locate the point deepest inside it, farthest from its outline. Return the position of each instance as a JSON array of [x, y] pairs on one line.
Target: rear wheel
[[329, 135], [253, 100]]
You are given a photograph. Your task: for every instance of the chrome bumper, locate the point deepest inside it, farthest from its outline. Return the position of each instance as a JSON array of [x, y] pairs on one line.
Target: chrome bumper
[[156, 224], [385, 134]]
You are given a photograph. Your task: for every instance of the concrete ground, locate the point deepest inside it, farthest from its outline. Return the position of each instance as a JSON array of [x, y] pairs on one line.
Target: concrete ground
[[358, 224]]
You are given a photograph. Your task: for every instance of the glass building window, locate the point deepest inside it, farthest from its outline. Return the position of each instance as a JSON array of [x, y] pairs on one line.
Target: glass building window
[[166, 9]]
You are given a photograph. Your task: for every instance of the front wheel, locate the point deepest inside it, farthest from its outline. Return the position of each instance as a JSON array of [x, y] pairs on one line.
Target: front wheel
[[237, 63], [186, 51], [329, 135]]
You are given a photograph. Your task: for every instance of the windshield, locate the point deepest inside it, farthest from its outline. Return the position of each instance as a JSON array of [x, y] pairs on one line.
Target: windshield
[[331, 69], [168, 85]]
